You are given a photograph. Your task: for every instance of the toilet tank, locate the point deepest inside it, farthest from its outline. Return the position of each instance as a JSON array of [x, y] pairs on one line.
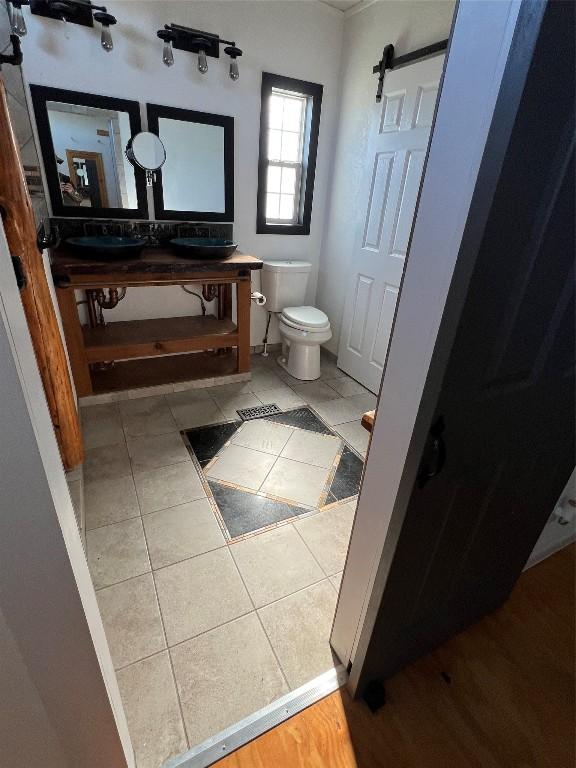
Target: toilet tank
[[284, 283]]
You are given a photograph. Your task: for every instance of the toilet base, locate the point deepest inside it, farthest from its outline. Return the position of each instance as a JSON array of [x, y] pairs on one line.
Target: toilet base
[[302, 361], [301, 350]]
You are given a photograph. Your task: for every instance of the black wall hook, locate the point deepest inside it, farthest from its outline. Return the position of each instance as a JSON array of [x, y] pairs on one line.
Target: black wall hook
[[15, 57]]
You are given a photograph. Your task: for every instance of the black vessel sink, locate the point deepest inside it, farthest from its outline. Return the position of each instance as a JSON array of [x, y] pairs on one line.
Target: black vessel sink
[[203, 247], [106, 247]]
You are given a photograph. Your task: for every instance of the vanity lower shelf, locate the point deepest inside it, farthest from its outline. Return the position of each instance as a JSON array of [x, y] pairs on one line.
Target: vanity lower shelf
[[162, 336], [152, 371]]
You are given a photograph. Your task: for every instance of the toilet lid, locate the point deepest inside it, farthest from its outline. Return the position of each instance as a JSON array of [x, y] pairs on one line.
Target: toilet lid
[[306, 317]]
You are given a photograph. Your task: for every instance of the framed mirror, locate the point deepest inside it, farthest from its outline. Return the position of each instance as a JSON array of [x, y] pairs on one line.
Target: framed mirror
[[83, 139], [197, 180]]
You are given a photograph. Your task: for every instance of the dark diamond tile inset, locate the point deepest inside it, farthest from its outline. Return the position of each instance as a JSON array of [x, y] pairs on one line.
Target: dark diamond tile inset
[[347, 478], [303, 418], [207, 441], [245, 512]]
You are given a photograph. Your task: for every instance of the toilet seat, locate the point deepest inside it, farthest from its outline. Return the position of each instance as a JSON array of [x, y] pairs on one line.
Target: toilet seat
[[305, 318]]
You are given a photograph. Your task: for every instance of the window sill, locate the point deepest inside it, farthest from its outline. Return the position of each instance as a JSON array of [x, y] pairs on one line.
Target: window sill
[[262, 228]]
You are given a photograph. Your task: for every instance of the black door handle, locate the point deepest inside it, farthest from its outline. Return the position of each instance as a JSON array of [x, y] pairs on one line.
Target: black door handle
[[434, 454]]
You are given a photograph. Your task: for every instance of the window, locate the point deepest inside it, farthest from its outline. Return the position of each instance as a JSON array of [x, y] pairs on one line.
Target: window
[[289, 125], [286, 113]]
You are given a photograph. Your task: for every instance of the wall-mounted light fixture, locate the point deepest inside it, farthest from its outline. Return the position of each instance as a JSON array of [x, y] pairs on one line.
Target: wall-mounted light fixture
[[17, 23], [202, 43], [76, 12]]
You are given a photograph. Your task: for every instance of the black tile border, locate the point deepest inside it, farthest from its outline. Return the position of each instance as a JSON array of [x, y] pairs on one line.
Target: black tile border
[[205, 454], [293, 416], [279, 511]]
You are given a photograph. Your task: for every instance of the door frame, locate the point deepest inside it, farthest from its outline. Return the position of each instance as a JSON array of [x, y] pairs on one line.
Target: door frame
[[47, 600], [100, 173], [477, 57], [480, 44], [20, 231]]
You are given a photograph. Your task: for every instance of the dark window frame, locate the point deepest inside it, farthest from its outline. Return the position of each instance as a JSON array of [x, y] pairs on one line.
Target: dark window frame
[[154, 113], [40, 96], [314, 93]]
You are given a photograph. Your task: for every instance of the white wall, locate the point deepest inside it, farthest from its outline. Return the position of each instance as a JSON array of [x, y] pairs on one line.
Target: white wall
[[408, 25], [298, 39]]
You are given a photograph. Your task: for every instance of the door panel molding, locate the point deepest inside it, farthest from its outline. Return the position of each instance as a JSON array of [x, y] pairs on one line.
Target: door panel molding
[[358, 324], [425, 104], [385, 321], [383, 169], [392, 111], [409, 186]]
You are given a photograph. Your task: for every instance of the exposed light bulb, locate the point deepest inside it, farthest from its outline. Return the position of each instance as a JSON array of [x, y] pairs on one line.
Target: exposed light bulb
[[234, 73], [17, 21], [202, 61], [168, 53], [234, 52], [106, 38]]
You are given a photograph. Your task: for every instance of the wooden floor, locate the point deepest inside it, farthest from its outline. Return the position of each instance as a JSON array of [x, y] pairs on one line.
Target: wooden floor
[[500, 694]]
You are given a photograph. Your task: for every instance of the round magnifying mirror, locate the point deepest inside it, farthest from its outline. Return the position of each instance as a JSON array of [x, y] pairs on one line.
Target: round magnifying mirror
[[146, 151]]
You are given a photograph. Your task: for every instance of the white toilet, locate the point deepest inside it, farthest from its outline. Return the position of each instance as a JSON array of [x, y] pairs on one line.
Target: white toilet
[[302, 328]]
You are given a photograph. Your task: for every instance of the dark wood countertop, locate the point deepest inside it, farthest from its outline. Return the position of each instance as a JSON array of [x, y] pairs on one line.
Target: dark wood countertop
[[152, 260]]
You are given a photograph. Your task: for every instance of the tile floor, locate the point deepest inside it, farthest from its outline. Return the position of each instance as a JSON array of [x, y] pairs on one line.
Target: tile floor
[[205, 628]]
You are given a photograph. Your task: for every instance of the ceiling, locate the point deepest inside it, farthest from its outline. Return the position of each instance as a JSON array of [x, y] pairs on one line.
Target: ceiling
[[342, 5]]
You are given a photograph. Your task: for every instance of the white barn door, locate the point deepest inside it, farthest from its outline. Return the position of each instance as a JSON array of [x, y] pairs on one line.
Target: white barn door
[[394, 162]]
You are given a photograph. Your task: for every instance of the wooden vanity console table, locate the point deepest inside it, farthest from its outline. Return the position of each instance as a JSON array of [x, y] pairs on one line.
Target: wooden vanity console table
[[142, 353]]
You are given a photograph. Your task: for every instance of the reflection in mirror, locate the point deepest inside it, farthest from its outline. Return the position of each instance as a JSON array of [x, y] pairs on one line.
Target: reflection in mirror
[[193, 177], [82, 137], [88, 144], [197, 179]]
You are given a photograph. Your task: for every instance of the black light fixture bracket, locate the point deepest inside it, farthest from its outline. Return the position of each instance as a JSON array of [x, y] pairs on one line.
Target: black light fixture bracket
[[389, 62], [73, 11], [14, 58], [194, 40]]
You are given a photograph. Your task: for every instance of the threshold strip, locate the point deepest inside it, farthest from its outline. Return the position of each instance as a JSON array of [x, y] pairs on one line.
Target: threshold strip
[[230, 739]]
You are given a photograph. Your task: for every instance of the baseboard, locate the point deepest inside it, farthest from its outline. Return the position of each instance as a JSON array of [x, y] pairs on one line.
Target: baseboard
[[330, 355]]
